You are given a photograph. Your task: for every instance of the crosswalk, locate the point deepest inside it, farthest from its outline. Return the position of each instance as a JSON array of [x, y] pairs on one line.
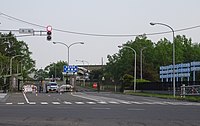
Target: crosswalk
[[105, 103]]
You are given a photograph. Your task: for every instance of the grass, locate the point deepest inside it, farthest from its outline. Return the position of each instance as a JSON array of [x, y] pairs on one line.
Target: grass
[[166, 96]]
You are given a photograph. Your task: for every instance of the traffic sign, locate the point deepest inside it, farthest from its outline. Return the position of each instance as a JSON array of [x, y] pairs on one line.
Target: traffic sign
[[70, 69], [26, 31]]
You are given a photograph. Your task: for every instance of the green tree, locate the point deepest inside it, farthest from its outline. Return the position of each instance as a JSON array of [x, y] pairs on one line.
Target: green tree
[[123, 62], [10, 47], [155, 55], [55, 69]]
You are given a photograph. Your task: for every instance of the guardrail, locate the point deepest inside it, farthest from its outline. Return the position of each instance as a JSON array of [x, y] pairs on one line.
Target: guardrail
[[192, 90]]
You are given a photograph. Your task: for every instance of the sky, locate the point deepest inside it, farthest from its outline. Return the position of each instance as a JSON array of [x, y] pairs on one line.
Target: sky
[[108, 17]]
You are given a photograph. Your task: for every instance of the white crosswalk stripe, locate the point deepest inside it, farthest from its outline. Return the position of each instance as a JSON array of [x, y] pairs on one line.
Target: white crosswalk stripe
[[149, 103], [9, 103], [113, 102], [80, 103], [44, 103], [92, 103], [68, 103], [56, 103], [126, 102], [32, 103], [20, 103], [102, 102], [139, 103]]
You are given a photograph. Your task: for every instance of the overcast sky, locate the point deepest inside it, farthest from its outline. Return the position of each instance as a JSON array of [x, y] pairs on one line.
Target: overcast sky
[[96, 17]]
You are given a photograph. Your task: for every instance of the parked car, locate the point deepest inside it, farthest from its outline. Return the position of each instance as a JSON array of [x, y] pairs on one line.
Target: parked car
[[66, 88]]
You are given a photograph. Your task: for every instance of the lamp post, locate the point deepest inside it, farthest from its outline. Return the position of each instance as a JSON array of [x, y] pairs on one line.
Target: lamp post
[[68, 46], [55, 71], [173, 55], [141, 61], [53, 67], [134, 86], [11, 87], [11, 63]]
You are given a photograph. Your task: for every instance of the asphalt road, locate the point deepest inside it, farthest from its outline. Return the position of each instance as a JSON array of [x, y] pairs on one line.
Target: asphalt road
[[95, 109]]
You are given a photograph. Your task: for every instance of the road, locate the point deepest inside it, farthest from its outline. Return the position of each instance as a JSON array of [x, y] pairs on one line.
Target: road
[[95, 109]]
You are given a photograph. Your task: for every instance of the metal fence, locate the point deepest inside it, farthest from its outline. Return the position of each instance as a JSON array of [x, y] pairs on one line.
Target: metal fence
[[191, 90], [162, 87]]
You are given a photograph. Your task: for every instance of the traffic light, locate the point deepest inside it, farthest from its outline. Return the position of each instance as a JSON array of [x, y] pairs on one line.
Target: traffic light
[[49, 30]]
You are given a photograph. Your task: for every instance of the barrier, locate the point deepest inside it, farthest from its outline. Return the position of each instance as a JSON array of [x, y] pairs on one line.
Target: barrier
[[192, 90]]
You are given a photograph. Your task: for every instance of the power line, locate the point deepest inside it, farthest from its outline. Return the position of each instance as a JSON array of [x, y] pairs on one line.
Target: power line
[[97, 35], [20, 20]]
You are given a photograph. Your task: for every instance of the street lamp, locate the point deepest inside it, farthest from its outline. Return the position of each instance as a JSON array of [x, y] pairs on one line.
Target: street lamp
[[18, 67], [173, 55], [11, 62], [68, 46], [134, 86], [141, 61], [54, 67]]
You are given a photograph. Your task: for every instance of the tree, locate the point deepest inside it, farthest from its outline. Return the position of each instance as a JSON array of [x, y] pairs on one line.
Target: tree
[[40, 74], [10, 47], [155, 55], [123, 62], [56, 69]]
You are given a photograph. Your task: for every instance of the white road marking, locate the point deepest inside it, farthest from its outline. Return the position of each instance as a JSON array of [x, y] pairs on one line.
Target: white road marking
[[126, 102], [44, 103], [27, 101], [188, 103], [20, 103], [9, 103], [134, 109], [160, 103], [68, 103], [101, 108], [149, 100], [149, 103], [102, 102], [84, 97], [139, 103], [32, 103], [92, 103], [113, 102], [79, 103], [56, 103]]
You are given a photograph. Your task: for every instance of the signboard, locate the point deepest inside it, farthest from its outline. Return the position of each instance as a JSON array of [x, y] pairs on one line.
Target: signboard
[[26, 31], [70, 69], [181, 70]]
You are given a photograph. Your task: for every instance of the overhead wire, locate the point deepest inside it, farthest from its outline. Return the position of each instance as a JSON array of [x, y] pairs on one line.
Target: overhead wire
[[97, 35]]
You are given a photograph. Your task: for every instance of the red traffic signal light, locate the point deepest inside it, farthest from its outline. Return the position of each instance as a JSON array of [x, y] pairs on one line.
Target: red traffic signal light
[[49, 29]]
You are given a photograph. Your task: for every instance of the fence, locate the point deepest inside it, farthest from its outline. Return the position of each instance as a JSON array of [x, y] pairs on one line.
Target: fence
[[193, 90], [159, 87]]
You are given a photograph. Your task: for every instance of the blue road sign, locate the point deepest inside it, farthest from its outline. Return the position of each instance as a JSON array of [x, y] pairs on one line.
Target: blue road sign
[[70, 69]]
